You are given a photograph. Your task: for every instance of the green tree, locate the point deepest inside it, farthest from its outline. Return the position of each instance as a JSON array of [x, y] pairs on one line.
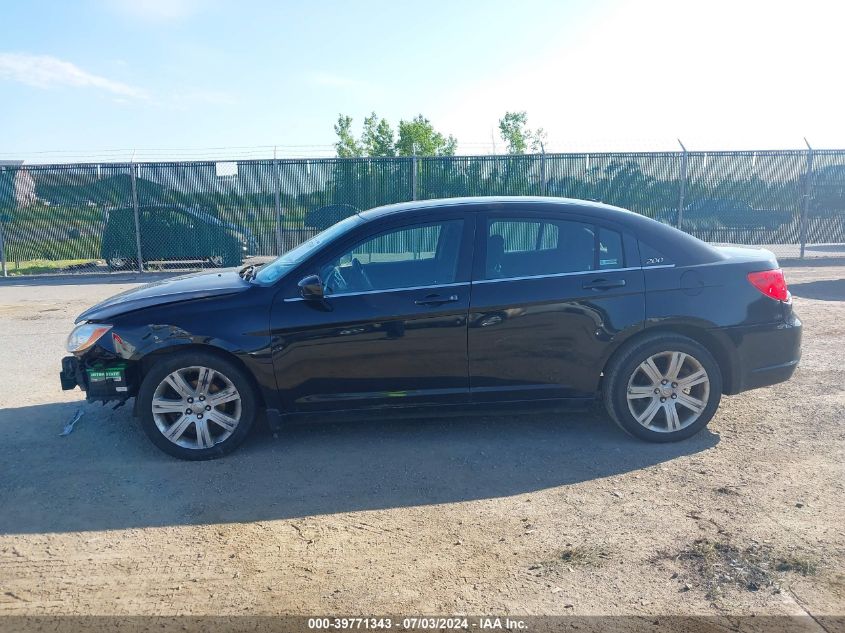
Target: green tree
[[514, 130], [377, 138], [419, 137], [346, 145], [538, 140]]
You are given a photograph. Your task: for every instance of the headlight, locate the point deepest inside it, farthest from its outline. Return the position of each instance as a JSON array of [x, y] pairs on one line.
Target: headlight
[[84, 336]]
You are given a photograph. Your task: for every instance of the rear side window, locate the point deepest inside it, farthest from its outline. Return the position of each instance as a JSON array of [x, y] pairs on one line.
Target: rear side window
[[525, 235], [650, 256], [528, 247], [611, 254]]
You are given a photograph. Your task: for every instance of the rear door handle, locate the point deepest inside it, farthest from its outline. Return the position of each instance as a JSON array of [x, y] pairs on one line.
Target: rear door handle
[[436, 300], [603, 284]]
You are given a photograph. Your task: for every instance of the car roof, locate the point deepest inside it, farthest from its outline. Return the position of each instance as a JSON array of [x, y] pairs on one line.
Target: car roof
[[476, 203], [679, 246]]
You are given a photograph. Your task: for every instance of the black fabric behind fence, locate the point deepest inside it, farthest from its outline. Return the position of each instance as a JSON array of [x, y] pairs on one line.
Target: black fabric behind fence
[[93, 216]]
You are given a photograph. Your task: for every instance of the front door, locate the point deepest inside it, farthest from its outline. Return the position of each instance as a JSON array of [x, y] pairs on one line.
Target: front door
[[549, 296], [392, 327]]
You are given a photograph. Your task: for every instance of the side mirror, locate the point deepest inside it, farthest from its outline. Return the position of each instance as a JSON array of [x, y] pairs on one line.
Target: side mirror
[[311, 288]]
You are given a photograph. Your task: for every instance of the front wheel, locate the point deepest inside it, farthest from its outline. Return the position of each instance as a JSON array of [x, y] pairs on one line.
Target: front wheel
[[196, 405], [663, 389]]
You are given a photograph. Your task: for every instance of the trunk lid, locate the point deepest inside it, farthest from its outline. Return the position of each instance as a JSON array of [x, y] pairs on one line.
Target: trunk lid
[[748, 255]]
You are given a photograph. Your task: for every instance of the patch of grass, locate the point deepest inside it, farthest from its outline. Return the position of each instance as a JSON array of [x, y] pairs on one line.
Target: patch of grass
[[726, 490], [803, 566], [720, 565], [578, 556], [42, 266]]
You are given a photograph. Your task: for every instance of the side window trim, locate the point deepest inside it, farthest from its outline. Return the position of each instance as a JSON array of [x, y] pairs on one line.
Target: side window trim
[[376, 292], [572, 274]]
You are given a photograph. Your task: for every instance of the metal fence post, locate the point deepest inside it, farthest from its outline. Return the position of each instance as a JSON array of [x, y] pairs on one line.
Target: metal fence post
[[542, 170], [3, 247], [683, 178], [805, 206], [133, 177], [277, 185], [2, 229], [414, 174]]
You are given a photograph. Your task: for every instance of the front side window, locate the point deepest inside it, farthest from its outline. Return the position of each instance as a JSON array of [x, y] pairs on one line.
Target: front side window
[[412, 256], [276, 269]]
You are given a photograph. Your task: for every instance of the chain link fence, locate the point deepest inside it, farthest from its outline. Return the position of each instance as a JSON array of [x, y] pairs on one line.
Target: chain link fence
[[167, 216]]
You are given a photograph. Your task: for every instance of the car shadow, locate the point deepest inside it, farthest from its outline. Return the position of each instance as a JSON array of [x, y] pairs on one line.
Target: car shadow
[[107, 475], [825, 290]]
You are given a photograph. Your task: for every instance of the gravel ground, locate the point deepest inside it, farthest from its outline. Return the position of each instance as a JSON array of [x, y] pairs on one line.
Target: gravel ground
[[547, 513]]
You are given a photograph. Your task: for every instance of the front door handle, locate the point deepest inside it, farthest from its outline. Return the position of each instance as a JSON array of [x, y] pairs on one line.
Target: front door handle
[[436, 300], [603, 284]]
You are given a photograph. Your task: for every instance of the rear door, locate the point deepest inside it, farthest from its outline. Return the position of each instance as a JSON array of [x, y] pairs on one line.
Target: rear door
[[550, 295]]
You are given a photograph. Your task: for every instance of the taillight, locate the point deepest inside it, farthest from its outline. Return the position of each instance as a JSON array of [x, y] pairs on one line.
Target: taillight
[[771, 283]]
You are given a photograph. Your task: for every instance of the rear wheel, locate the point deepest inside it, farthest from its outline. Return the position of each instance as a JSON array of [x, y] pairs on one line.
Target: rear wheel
[[663, 389], [196, 405]]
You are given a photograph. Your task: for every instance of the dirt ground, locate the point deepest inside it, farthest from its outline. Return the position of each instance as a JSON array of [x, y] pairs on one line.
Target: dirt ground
[[541, 513]]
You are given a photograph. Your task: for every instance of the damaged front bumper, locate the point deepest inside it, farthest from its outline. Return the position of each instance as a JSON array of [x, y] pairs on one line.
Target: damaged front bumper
[[71, 375], [101, 380]]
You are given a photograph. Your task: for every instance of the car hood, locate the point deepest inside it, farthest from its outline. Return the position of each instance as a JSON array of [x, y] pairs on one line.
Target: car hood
[[182, 288]]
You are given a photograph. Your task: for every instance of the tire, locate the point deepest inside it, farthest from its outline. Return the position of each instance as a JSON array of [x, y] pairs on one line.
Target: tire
[[627, 380], [229, 259], [121, 263], [214, 436]]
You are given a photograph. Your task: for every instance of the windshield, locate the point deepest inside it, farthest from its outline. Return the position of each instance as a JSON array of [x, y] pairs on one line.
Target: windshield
[[274, 271]]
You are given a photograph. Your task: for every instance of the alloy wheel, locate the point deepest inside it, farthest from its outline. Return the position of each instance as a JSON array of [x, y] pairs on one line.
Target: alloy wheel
[[668, 391], [196, 407]]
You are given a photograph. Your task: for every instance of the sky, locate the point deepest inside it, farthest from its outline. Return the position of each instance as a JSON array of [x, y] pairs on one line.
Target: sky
[[180, 79]]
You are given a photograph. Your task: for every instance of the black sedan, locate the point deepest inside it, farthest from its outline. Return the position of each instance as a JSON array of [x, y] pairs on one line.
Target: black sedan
[[447, 302]]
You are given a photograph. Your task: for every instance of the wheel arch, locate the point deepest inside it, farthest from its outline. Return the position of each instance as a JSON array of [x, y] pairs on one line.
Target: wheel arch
[[706, 337], [149, 360]]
